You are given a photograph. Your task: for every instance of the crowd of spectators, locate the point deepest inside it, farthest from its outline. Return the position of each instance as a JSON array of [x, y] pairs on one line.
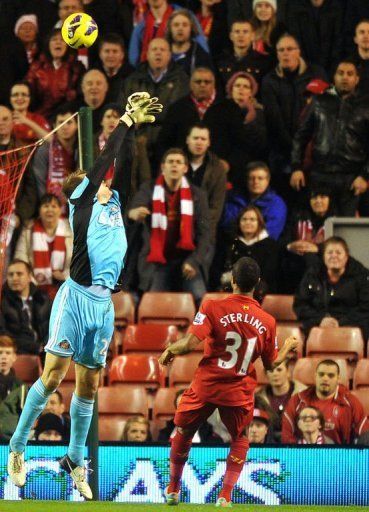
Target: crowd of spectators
[[263, 136]]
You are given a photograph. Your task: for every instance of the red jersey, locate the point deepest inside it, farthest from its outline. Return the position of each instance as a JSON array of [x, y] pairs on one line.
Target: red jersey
[[343, 414], [236, 331]]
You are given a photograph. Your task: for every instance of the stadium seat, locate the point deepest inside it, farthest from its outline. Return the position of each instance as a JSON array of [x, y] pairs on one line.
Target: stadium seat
[[304, 370], [363, 396], [182, 370], [166, 308], [137, 369], [290, 329], [28, 368], [340, 342], [280, 306], [115, 409], [110, 428], [163, 407], [215, 295], [151, 338], [361, 375], [124, 309]]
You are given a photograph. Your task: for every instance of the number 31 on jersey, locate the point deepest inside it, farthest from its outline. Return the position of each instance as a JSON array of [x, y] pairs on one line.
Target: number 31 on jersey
[[232, 348]]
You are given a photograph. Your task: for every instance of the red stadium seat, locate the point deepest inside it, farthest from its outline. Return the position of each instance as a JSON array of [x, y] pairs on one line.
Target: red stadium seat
[[182, 370], [166, 308], [280, 306], [340, 342], [361, 375], [363, 396], [115, 408], [163, 407], [151, 338], [124, 309], [286, 330], [304, 370], [137, 369], [27, 368]]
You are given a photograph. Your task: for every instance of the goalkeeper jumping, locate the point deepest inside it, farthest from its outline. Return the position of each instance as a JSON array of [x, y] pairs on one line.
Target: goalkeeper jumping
[[82, 317]]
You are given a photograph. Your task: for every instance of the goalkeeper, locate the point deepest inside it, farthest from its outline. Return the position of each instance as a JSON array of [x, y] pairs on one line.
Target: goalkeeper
[[82, 317]]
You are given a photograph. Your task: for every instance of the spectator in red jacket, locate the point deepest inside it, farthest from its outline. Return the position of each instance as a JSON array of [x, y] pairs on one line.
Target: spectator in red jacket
[[343, 414], [55, 75]]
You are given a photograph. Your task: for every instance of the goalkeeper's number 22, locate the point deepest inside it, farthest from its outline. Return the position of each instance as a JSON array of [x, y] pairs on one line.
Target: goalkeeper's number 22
[[232, 348]]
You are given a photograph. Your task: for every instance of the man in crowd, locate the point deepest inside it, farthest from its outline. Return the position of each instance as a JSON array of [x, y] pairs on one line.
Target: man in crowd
[[206, 171], [258, 193], [13, 391], [361, 54], [278, 392], [337, 123], [162, 78], [242, 56], [50, 428], [25, 310], [55, 405], [197, 106], [176, 230], [258, 428], [343, 413], [283, 97], [113, 64], [56, 158]]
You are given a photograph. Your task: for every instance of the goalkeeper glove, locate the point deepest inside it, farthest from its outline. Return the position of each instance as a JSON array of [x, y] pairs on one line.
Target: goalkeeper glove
[[141, 108]]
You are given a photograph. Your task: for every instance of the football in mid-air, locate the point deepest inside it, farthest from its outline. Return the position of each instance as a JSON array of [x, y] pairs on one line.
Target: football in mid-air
[[79, 30]]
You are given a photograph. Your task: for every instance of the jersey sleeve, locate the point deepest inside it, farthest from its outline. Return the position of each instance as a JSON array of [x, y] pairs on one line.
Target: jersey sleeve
[[201, 326], [270, 352]]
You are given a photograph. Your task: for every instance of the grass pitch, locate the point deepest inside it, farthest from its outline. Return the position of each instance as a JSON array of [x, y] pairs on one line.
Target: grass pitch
[[104, 506]]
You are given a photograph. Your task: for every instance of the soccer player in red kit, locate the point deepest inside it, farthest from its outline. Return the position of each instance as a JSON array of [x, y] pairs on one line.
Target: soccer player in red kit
[[235, 331]]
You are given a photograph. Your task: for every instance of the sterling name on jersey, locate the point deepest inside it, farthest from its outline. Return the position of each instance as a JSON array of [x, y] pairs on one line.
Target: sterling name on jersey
[[100, 242]]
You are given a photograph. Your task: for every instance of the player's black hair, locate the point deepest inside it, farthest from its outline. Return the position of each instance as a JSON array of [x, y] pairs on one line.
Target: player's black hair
[[246, 274], [329, 362]]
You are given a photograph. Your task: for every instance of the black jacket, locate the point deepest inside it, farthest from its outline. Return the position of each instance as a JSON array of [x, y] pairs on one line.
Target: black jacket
[[284, 98], [14, 321], [319, 30], [339, 129], [347, 301], [255, 63]]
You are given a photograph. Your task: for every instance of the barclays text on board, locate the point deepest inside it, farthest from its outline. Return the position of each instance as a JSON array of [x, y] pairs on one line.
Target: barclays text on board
[[139, 474]]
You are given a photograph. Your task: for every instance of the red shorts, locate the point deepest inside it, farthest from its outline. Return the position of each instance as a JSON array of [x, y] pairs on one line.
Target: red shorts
[[192, 412]]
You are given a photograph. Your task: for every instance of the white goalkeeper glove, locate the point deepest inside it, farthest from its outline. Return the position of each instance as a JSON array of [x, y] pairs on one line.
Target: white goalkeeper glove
[[141, 108]]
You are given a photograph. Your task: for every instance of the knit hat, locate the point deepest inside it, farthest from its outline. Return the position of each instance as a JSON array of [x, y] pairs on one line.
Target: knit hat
[[242, 74], [26, 18], [273, 3], [261, 415], [49, 421]]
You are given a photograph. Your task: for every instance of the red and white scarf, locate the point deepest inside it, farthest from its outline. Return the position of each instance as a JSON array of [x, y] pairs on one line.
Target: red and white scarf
[[159, 221], [202, 106], [140, 7], [61, 163], [305, 231], [45, 262], [319, 440]]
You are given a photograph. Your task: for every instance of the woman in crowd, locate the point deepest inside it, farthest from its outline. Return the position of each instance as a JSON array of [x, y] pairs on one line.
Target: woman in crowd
[[26, 31], [303, 236], [310, 423], [55, 75], [28, 126], [335, 291], [240, 135], [267, 28], [181, 35], [136, 430], [47, 245], [252, 240]]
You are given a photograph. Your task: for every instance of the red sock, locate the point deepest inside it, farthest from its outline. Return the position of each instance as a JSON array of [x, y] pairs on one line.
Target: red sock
[[179, 451], [235, 461]]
